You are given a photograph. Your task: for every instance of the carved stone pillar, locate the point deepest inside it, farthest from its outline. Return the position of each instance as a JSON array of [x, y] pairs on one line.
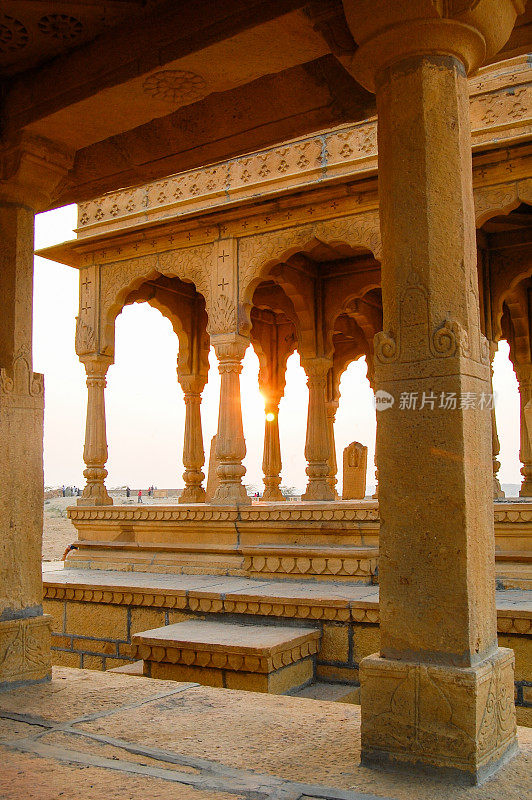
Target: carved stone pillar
[[95, 450], [29, 171], [317, 445], [440, 692], [230, 442], [524, 377], [271, 461], [193, 452], [331, 409]]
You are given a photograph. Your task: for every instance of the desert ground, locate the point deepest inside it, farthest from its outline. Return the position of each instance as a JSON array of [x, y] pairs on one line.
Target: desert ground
[[59, 532]]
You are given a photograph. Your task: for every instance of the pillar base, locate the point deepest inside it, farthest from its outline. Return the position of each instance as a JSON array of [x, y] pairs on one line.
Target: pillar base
[[319, 490], [25, 650], [233, 494], [273, 494], [459, 720], [192, 494], [526, 489], [100, 500]]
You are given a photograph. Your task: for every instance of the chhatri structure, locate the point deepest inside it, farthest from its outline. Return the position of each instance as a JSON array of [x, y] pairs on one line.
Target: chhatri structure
[[292, 246]]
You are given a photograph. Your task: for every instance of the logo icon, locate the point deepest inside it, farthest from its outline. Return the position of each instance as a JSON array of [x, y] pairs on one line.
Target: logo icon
[[383, 400]]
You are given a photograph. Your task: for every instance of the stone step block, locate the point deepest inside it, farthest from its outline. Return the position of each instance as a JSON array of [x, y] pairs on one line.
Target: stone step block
[[261, 658]]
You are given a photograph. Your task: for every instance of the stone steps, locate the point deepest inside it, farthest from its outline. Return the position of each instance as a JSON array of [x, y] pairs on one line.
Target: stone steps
[[261, 658]]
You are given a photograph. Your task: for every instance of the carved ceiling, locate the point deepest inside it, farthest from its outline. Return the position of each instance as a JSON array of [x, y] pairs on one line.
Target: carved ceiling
[[33, 32]]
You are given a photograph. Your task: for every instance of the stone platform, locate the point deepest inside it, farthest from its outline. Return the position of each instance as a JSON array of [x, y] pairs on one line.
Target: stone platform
[[259, 658], [336, 541], [101, 735], [96, 613]]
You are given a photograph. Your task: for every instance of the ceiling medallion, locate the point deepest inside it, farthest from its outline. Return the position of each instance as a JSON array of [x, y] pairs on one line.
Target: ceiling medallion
[[60, 26], [175, 85], [13, 34]]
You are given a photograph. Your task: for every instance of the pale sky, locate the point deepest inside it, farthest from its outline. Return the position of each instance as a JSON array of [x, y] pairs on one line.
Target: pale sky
[[144, 402]]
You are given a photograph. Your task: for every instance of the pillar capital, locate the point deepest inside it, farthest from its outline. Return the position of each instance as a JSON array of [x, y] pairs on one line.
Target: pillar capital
[[96, 364], [316, 368], [229, 348], [31, 168], [387, 33], [192, 384]]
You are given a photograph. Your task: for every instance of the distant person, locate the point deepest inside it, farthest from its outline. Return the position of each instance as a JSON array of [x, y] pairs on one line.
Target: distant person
[[64, 491], [128, 491], [139, 496]]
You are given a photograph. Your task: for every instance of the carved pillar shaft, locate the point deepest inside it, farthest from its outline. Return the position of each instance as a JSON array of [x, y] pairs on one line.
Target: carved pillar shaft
[[317, 445], [428, 697], [30, 169], [95, 450], [498, 494], [230, 442], [21, 459], [193, 452], [332, 408], [524, 377], [271, 461]]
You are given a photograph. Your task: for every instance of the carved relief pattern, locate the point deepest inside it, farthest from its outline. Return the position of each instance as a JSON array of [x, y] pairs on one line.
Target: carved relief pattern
[[175, 85], [62, 27], [418, 338], [419, 710], [24, 649], [493, 200], [223, 316], [22, 381], [13, 34]]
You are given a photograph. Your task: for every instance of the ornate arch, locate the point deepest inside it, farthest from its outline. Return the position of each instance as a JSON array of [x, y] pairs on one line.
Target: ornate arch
[[119, 279], [257, 255], [492, 201]]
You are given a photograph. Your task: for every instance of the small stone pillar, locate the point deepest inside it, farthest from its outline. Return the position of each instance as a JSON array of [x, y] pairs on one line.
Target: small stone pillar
[[95, 450], [193, 452], [271, 461], [332, 408], [230, 442], [439, 694], [524, 377], [213, 481], [355, 466], [317, 445], [498, 493]]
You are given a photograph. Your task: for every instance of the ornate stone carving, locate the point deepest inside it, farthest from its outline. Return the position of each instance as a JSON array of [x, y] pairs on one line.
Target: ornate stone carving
[[414, 710], [223, 316], [62, 27], [13, 34], [85, 337], [21, 381], [25, 649], [493, 200], [175, 85]]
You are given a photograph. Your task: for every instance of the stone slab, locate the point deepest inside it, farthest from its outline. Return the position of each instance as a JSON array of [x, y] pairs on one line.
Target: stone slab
[[224, 637]]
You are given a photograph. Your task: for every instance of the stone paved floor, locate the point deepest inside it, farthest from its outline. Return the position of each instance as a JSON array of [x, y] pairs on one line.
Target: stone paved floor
[[513, 599], [105, 736]]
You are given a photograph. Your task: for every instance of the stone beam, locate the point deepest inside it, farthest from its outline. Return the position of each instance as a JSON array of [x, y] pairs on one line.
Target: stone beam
[[275, 108]]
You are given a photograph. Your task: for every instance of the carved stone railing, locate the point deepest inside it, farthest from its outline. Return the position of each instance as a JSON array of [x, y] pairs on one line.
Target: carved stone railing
[[501, 103]]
